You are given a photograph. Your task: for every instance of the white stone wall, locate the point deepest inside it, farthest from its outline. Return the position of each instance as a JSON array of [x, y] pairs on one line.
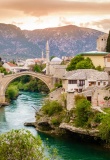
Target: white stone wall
[[6, 66], [70, 100]]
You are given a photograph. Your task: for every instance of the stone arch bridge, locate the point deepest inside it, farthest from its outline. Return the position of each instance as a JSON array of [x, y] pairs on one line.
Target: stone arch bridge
[[6, 79]]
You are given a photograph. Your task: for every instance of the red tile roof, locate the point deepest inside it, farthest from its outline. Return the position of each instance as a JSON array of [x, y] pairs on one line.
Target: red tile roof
[[11, 64]]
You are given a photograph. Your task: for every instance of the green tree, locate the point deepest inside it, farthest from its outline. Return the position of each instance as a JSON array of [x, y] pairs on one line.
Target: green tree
[[73, 62], [52, 57], [108, 43], [51, 107], [37, 68], [83, 110], [85, 64], [3, 70], [12, 92], [99, 68], [21, 145], [25, 79], [104, 128], [79, 62]]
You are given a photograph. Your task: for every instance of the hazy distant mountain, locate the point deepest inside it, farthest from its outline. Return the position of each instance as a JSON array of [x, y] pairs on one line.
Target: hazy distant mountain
[[64, 41]]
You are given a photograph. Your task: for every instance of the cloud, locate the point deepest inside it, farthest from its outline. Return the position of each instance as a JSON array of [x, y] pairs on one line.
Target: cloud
[[103, 25], [46, 7], [64, 21]]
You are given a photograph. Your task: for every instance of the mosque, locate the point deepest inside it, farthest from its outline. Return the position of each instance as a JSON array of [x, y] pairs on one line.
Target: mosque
[[54, 66]]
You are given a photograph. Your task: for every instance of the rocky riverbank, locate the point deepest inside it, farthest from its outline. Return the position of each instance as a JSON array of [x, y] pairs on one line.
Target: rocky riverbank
[[4, 104], [83, 121], [44, 124]]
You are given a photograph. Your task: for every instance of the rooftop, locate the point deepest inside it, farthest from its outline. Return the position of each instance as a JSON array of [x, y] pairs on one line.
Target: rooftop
[[94, 53], [83, 74], [11, 64]]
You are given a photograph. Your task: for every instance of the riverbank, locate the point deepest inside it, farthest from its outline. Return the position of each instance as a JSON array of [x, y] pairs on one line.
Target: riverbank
[[72, 148], [55, 120], [4, 104]]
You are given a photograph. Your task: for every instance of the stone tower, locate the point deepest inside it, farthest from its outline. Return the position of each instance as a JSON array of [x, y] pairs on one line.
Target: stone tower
[[47, 59], [102, 42]]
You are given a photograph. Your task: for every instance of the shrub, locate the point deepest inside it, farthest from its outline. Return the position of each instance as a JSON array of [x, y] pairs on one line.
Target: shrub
[[20, 145], [83, 111], [52, 107], [79, 97], [56, 121], [12, 92], [98, 117], [104, 128]]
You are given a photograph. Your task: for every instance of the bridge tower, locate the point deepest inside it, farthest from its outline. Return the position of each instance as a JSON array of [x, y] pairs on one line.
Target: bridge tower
[[47, 59]]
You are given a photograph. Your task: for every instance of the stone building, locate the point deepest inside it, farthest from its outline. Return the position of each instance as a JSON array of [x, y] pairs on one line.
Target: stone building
[[97, 57], [81, 79], [54, 67], [107, 65], [101, 43]]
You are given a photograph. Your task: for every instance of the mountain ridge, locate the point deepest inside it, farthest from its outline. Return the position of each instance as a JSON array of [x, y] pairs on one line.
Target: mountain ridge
[[63, 41]]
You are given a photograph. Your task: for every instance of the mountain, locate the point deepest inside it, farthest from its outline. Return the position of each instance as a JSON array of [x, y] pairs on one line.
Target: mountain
[[63, 41]]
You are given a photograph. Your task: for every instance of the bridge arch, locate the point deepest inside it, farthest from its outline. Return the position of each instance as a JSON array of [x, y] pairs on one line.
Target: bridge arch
[[7, 79]]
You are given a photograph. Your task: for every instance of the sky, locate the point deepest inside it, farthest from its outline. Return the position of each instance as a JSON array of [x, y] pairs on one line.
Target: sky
[[39, 14]]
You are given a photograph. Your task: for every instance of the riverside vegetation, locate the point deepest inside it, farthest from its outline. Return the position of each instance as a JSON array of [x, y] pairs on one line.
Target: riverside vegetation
[[25, 83], [22, 145], [82, 116]]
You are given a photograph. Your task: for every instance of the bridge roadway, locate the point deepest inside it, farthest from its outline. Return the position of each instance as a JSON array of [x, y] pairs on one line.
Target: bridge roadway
[[5, 80]]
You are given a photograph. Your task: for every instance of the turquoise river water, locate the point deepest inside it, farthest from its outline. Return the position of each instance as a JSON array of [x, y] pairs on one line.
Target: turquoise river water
[[21, 110]]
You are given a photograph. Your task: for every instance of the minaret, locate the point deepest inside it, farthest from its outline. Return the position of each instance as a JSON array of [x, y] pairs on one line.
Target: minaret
[[42, 55], [47, 59]]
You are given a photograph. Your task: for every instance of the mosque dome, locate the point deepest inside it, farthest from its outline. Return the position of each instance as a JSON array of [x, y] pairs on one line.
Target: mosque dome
[[56, 60]]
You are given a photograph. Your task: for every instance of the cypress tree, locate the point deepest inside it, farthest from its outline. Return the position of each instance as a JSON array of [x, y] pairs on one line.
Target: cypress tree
[[108, 43]]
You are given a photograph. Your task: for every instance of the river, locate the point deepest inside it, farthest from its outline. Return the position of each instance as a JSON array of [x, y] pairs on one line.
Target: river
[[21, 110]]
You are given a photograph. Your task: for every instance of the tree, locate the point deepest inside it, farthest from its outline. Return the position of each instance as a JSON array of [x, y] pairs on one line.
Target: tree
[[3, 70], [73, 62], [108, 43], [99, 68], [83, 110], [52, 57], [12, 92], [79, 62], [37, 68], [21, 145], [104, 128], [85, 64]]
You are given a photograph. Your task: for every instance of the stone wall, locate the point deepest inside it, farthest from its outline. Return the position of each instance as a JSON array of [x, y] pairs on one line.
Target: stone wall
[[101, 43], [56, 94], [70, 100], [96, 95]]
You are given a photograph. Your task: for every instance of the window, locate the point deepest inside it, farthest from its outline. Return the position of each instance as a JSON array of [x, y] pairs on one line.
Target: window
[[80, 90], [108, 59], [72, 82], [104, 83], [92, 83], [81, 82], [98, 83]]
